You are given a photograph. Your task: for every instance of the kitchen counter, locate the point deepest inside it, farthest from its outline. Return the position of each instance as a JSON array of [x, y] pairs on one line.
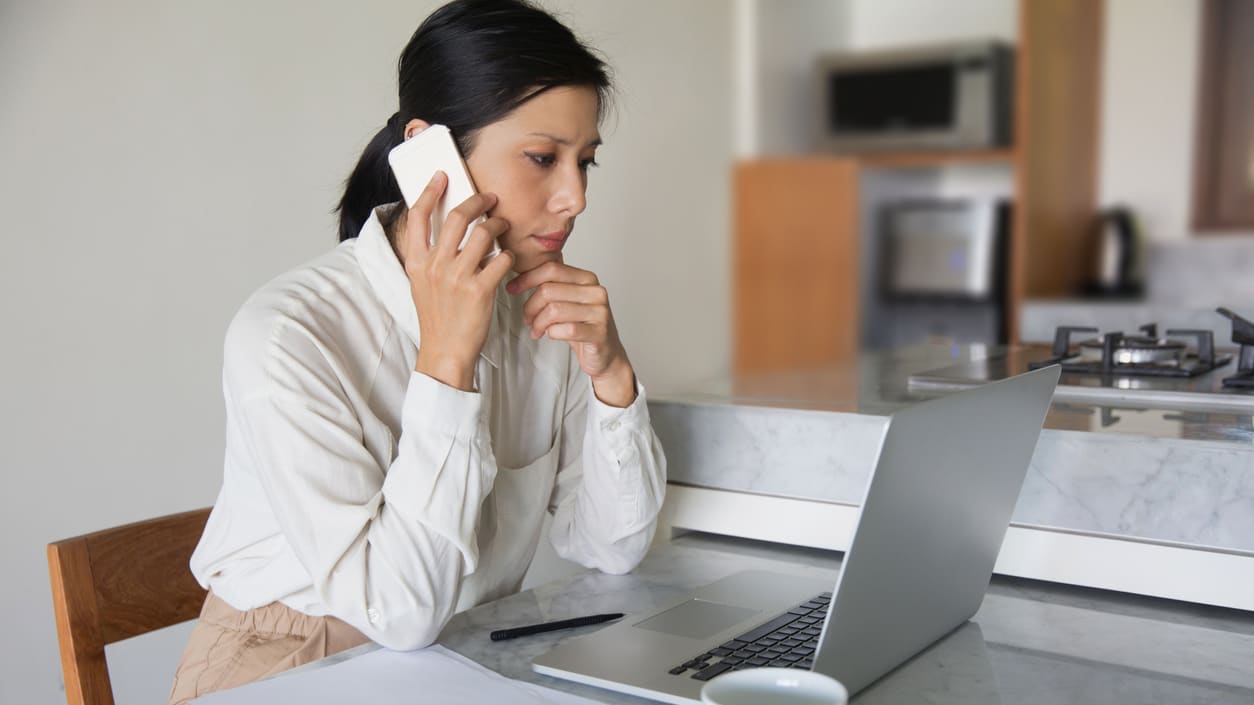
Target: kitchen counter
[[1113, 491], [879, 385]]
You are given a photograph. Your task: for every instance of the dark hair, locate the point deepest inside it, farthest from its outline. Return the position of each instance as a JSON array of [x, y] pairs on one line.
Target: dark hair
[[469, 64]]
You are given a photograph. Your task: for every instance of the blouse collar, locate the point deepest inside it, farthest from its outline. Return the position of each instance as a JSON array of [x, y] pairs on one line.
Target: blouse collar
[[390, 283]]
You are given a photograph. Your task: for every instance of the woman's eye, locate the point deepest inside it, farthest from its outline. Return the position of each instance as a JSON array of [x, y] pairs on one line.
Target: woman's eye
[[544, 160], [547, 160]]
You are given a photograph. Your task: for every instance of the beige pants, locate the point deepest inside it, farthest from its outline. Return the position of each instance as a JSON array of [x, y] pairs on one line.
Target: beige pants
[[229, 647]]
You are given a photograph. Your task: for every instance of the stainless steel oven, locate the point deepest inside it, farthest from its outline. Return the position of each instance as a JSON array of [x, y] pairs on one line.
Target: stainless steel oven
[[940, 266], [947, 249]]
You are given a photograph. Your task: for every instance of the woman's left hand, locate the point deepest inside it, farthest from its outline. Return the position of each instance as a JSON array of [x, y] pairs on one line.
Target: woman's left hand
[[570, 304]]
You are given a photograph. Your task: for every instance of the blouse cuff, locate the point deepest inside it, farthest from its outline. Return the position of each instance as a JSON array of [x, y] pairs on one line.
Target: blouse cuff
[[619, 423], [431, 403]]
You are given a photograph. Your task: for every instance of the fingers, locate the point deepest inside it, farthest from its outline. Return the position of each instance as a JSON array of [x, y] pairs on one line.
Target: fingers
[[496, 268], [418, 220], [567, 318], [457, 222], [482, 236], [575, 332], [551, 272], [551, 292]]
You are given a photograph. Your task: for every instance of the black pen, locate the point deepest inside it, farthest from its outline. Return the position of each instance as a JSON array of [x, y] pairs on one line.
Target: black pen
[[503, 634]]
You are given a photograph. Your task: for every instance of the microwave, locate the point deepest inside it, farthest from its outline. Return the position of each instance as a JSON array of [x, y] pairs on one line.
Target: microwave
[[948, 96]]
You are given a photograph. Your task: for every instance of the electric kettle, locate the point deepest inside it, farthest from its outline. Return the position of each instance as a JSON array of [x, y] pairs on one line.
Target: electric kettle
[[1116, 256]]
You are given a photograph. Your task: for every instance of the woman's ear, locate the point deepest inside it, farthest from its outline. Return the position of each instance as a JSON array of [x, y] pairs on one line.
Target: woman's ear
[[415, 126]]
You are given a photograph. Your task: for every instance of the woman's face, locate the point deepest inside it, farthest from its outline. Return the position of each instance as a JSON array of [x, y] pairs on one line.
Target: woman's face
[[536, 161]]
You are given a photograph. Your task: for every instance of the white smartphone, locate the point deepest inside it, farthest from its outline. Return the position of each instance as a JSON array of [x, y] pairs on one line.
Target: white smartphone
[[416, 160]]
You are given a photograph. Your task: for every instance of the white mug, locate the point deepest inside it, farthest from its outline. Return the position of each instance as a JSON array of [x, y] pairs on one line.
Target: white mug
[[774, 686]]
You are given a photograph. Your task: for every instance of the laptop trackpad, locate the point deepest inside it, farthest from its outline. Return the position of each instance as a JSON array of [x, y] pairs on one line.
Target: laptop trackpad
[[697, 619]]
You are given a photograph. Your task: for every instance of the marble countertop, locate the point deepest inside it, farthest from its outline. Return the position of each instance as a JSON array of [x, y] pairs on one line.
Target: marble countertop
[[1182, 478], [1030, 642], [877, 385]]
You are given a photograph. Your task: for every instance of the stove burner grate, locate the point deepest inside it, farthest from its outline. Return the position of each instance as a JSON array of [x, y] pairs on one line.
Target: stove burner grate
[[1243, 335], [1126, 356]]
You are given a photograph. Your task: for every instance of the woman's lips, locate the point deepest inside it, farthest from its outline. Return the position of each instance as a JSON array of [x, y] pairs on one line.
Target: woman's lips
[[551, 241]]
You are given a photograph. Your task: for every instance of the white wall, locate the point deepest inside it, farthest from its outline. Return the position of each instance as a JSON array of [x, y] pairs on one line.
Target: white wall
[[889, 23], [162, 160], [1149, 104], [778, 43], [1149, 92]]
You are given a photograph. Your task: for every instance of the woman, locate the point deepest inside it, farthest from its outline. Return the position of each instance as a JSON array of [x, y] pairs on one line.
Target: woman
[[401, 415]]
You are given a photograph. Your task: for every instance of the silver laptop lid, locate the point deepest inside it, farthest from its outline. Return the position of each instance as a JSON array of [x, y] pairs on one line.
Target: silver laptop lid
[[935, 513]]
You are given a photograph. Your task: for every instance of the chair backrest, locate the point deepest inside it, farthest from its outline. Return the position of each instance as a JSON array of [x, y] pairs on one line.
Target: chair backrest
[[118, 583]]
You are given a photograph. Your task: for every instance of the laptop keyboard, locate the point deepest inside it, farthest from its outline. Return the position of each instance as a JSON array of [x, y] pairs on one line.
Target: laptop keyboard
[[788, 641]]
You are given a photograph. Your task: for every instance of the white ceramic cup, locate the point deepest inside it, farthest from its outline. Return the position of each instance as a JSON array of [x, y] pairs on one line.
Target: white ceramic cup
[[774, 686]]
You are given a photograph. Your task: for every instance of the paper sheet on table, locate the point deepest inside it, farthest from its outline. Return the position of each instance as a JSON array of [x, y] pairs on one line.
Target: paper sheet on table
[[383, 677]]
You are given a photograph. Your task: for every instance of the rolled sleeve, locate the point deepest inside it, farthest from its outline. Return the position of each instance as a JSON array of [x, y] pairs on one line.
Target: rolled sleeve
[[611, 482], [443, 471], [618, 426], [429, 402]]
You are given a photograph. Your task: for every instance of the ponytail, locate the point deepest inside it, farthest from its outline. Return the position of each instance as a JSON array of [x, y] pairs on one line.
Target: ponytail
[[371, 183]]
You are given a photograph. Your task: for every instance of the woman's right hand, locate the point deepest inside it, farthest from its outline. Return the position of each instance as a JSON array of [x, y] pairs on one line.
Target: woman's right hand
[[453, 291]]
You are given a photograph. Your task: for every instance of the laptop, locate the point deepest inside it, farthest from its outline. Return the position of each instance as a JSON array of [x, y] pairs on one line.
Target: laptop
[[936, 509]]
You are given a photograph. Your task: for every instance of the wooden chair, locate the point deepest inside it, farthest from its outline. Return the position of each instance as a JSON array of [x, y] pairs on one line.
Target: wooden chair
[[118, 583]]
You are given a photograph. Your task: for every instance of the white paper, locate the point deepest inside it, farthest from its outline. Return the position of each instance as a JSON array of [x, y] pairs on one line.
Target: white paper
[[383, 677]]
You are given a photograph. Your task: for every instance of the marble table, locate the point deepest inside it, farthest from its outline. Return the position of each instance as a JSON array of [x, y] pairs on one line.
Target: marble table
[[1030, 643]]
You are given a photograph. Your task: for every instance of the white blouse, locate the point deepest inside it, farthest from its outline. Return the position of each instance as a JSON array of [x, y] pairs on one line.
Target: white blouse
[[359, 488]]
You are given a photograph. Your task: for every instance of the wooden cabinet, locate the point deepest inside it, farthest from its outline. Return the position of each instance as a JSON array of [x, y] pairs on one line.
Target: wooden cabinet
[[1056, 129], [797, 223], [795, 269], [1223, 195]]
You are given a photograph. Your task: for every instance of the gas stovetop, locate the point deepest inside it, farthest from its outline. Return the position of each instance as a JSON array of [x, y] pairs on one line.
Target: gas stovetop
[[1179, 370], [1145, 355]]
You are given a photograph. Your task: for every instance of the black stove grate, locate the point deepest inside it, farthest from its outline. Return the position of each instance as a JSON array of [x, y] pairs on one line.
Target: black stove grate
[[1192, 365], [1243, 335], [1241, 380]]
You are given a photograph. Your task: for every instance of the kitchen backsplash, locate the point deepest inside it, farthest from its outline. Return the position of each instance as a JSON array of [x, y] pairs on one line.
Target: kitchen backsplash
[[1202, 272], [1185, 280]]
